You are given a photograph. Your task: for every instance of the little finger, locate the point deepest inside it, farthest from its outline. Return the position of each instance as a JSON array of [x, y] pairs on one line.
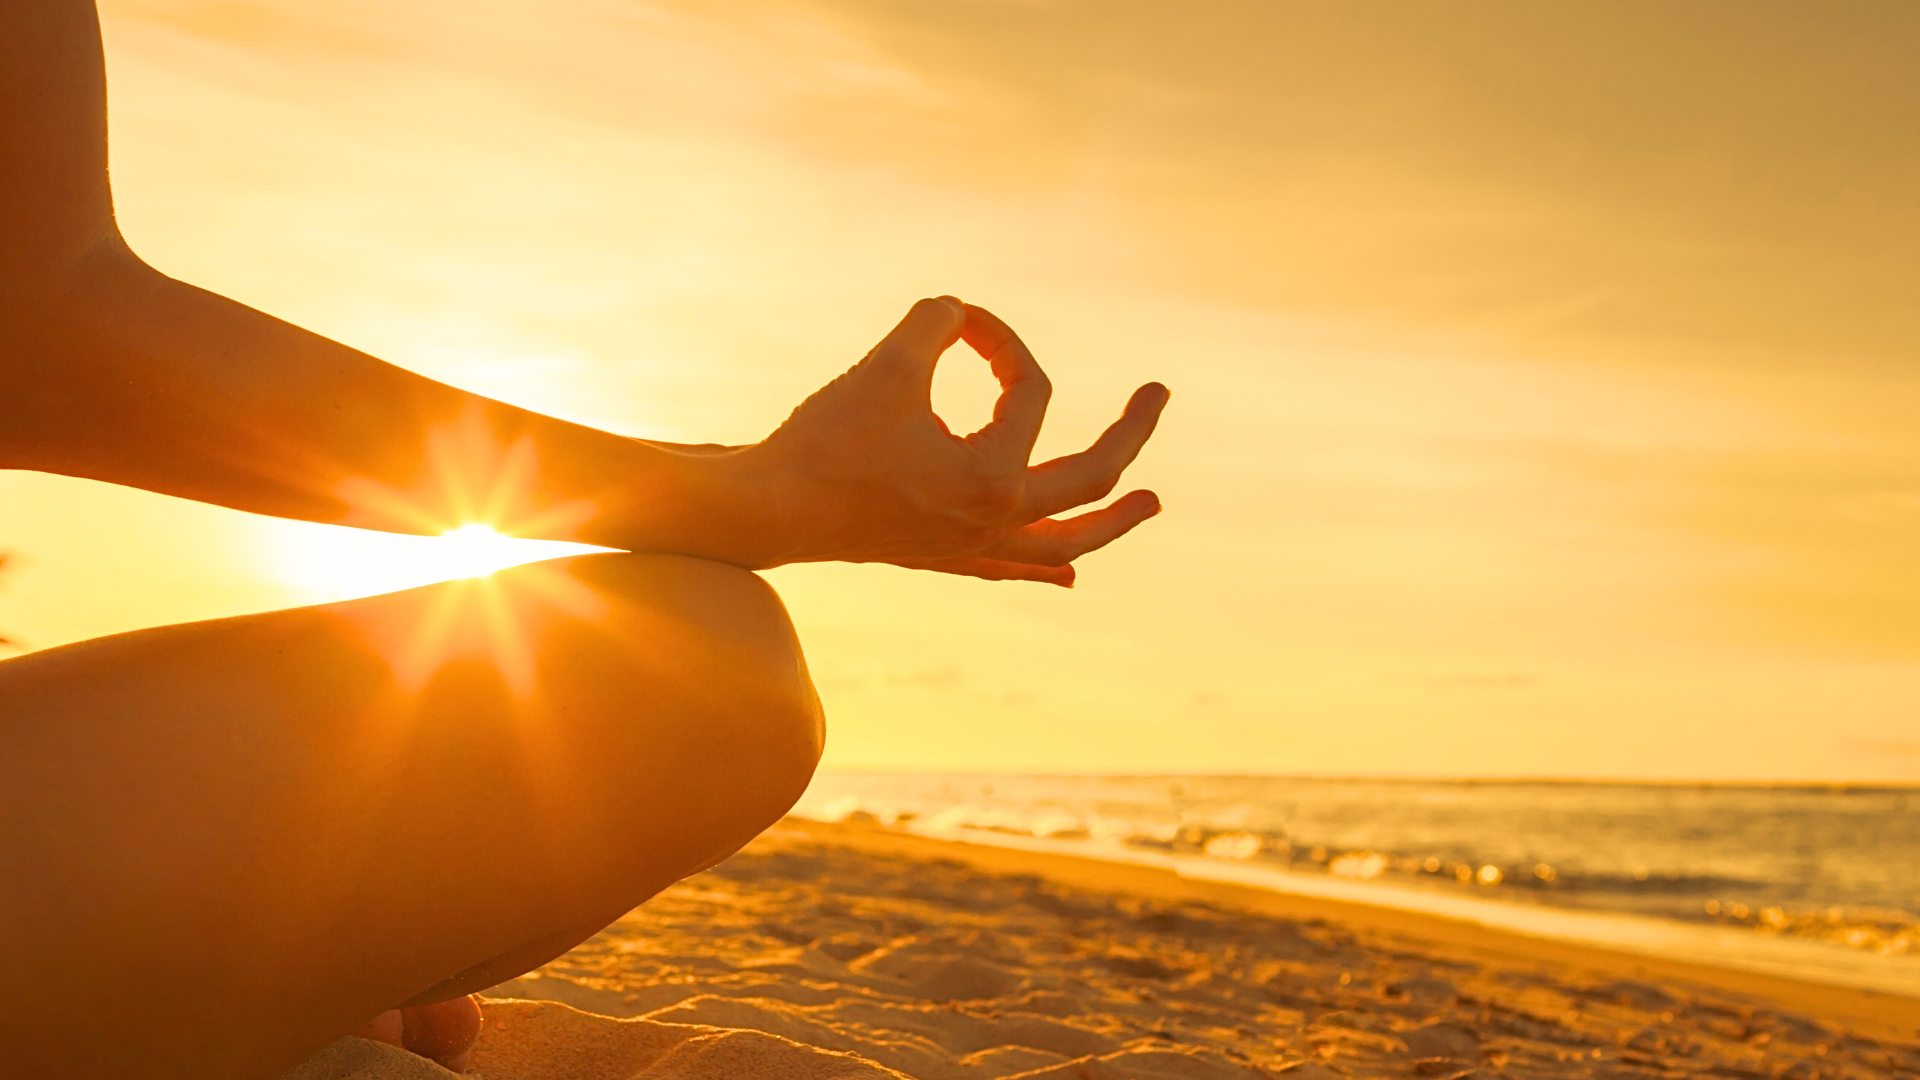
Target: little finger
[[1050, 542], [993, 569]]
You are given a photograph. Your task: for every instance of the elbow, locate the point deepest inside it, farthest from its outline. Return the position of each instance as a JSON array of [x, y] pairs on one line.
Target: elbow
[[44, 286], [54, 315]]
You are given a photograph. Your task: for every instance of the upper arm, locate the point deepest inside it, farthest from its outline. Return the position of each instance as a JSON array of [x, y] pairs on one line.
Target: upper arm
[[54, 201], [55, 208]]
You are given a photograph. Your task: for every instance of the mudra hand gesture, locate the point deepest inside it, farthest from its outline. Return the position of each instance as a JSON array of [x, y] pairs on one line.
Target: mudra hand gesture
[[866, 472]]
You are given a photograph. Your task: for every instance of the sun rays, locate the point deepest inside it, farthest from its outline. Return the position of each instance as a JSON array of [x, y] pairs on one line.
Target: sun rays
[[474, 611], [329, 563], [474, 501], [475, 489], [490, 618], [469, 475]]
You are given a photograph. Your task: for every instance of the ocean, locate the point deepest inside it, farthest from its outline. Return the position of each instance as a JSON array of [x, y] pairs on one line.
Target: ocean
[[1820, 882]]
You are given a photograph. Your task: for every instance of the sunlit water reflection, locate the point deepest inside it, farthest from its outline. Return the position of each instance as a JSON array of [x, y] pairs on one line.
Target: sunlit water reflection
[[1820, 882]]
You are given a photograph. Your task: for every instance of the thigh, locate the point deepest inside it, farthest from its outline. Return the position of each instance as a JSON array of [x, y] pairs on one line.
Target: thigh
[[222, 843]]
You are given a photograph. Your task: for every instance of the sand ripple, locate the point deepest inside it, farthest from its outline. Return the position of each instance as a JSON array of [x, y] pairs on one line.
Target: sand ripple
[[813, 955]]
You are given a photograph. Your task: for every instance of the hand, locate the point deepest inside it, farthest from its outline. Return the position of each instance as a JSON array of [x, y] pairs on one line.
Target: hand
[[866, 472]]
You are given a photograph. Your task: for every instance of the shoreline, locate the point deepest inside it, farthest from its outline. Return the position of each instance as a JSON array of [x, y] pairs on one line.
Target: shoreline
[[1886, 1013], [1802, 959]]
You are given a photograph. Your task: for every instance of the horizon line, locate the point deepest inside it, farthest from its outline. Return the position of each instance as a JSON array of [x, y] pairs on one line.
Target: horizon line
[[1406, 778]]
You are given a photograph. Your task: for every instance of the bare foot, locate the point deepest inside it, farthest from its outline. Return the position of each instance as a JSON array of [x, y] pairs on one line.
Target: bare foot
[[443, 1031]]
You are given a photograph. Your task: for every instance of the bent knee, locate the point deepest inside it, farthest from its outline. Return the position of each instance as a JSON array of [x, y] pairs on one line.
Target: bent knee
[[700, 660]]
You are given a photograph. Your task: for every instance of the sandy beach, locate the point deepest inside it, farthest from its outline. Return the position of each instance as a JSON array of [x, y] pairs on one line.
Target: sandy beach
[[849, 951]]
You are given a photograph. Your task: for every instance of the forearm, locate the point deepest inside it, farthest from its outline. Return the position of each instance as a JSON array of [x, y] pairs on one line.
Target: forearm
[[115, 372]]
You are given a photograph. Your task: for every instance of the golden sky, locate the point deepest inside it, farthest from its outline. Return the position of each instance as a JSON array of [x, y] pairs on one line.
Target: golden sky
[[1546, 377]]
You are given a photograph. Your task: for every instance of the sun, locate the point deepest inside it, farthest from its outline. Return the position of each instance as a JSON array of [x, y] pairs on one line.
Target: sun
[[473, 550], [330, 562], [470, 479]]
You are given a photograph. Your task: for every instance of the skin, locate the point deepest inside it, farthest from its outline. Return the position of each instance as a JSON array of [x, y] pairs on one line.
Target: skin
[[225, 844]]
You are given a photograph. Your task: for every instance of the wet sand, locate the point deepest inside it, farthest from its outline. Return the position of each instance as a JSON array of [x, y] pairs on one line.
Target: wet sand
[[848, 951]]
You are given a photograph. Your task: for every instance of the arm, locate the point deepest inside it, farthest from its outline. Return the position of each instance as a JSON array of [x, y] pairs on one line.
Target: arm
[[113, 371]]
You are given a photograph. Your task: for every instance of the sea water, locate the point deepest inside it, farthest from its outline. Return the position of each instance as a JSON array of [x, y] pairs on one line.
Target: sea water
[[1822, 882]]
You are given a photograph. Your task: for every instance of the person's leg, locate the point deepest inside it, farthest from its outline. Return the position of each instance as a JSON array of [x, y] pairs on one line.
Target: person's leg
[[223, 844]]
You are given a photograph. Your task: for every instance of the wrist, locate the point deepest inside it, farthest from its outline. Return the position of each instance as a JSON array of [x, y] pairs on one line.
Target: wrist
[[731, 505], [748, 511]]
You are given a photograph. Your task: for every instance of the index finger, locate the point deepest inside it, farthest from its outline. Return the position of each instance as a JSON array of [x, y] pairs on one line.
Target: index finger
[[916, 343], [1024, 388]]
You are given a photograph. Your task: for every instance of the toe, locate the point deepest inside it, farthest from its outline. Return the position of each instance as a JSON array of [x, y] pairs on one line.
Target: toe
[[387, 1028], [444, 1031]]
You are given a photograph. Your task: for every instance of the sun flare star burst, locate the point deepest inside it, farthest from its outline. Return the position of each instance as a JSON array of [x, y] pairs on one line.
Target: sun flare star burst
[[474, 549], [332, 563]]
